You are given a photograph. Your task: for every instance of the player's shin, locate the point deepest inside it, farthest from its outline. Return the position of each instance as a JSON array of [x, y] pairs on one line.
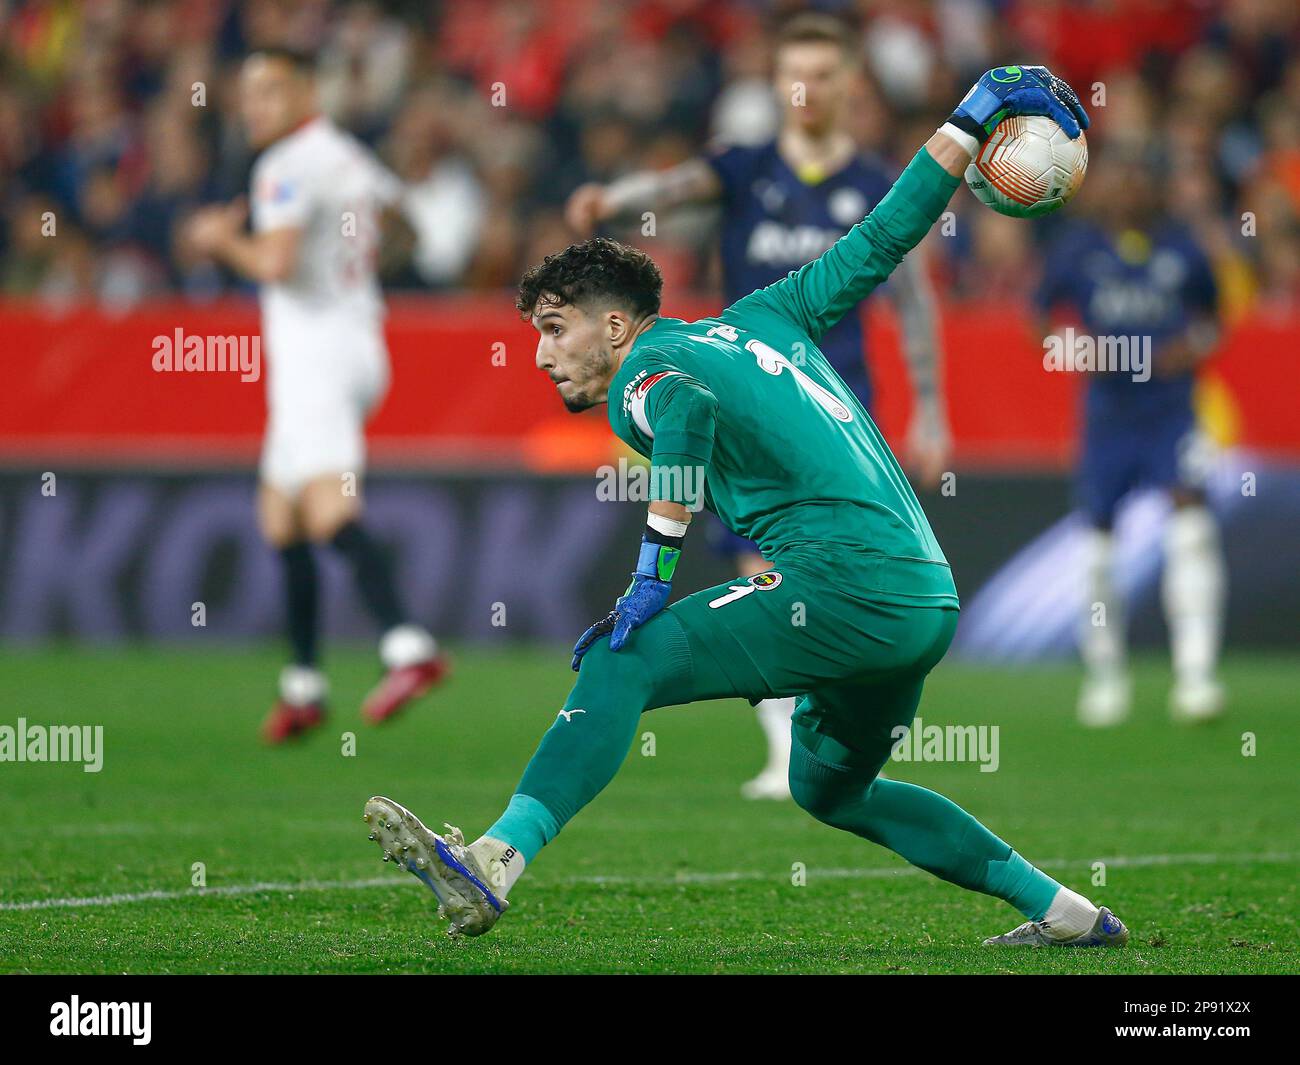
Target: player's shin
[[300, 589], [931, 832], [773, 781], [373, 573], [1104, 699], [590, 737], [1193, 590]]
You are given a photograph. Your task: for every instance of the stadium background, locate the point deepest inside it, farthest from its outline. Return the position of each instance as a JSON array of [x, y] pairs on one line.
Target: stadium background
[[471, 455], [126, 496]]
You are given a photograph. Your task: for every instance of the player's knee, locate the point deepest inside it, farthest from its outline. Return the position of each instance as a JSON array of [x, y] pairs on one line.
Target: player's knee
[[838, 796], [814, 791], [321, 522], [828, 804], [319, 529], [276, 524], [280, 535], [626, 670], [325, 505]]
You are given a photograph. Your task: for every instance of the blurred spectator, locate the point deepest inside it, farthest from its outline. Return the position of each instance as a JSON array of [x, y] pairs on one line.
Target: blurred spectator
[[445, 201], [117, 117]]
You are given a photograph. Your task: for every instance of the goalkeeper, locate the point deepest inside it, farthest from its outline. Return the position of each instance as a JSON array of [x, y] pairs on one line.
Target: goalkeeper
[[859, 603]]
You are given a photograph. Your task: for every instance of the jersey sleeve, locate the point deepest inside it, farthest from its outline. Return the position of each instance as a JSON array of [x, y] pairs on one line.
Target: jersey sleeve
[[281, 195], [678, 414], [730, 164], [819, 294], [388, 187]]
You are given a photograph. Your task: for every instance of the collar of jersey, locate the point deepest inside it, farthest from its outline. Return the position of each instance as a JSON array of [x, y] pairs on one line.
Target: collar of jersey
[[656, 324]]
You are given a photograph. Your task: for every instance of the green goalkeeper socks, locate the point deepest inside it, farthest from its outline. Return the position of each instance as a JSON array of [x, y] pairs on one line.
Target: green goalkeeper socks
[[590, 737], [526, 825], [920, 825]]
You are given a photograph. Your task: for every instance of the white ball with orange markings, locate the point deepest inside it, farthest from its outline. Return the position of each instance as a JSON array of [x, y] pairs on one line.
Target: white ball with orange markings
[[1028, 167]]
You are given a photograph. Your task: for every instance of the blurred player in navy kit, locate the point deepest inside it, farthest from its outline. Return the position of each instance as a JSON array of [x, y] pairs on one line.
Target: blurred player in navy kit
[[1131, 272], [784, 203]]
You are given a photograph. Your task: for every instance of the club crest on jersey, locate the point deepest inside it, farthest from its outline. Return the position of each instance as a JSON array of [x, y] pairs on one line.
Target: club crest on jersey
[[847, 206], [765, 582]]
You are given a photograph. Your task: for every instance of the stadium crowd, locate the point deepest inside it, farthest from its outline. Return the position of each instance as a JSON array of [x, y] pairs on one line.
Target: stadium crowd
[[119, 117]]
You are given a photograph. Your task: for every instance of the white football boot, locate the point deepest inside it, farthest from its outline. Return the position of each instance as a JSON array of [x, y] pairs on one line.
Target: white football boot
[[1191, 702], [443, 863], [1104, 699], [1107, 931]]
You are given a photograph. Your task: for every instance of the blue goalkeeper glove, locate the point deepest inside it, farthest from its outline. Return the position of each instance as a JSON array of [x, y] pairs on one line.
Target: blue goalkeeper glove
[[1005, 91], [652, 581]]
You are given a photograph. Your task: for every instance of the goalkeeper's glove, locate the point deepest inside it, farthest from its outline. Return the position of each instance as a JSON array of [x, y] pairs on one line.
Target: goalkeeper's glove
[[652, 581], [1005, 91]]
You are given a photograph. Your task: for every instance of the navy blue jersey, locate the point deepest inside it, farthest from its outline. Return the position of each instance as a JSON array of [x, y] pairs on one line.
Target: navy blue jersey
[[1152, 284], [773, 223]]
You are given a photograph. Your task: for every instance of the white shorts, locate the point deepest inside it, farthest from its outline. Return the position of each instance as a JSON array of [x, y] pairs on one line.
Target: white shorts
[[319, 396]]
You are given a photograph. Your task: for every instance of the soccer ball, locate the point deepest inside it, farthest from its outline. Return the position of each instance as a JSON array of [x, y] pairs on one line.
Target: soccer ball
[[1028, 167]]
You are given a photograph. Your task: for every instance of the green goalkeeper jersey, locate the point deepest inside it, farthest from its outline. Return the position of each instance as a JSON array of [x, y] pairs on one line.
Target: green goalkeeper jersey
[[788, 455]]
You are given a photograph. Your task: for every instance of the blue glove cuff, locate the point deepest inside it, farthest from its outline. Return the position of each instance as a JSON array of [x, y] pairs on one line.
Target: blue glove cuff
[[980, 105], [657, 560]]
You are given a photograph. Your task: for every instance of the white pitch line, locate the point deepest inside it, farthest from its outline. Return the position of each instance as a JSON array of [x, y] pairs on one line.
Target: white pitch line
[[1138, 861], [269, 887]]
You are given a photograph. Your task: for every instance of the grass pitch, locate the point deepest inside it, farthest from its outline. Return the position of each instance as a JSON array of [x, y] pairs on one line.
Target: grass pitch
[[668, 871]]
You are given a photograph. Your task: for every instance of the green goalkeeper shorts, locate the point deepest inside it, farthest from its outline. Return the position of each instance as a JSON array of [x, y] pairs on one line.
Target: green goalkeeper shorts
[[851, 632]]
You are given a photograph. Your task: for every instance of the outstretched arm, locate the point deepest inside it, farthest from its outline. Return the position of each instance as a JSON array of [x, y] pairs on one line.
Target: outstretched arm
[[928, 439], [691, 181], [821, 293]]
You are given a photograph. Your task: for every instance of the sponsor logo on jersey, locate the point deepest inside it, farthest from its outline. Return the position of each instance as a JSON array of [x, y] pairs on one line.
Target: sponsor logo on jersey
[[650, 382], [634, 398], [765, 582], [772, 242]]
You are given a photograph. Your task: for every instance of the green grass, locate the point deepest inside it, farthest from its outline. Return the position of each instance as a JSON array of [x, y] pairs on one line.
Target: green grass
[[668, 871]]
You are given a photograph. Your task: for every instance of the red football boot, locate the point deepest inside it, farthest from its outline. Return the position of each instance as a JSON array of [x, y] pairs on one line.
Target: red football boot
[[287, 722], [402, 685]]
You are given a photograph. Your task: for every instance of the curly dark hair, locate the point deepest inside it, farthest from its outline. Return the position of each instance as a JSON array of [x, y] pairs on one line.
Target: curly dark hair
[[599, 270]]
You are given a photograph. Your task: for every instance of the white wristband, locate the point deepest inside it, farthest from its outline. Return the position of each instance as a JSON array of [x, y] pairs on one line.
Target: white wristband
[[961, 137], [667, 526]]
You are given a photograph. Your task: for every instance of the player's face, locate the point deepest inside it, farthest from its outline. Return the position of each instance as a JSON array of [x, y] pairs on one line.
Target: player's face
[[1128, 198], [274, 97], [574, 351], [812, 82]]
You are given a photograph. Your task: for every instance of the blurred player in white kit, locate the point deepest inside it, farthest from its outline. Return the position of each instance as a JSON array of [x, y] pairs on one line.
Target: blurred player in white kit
[[317, 199]]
